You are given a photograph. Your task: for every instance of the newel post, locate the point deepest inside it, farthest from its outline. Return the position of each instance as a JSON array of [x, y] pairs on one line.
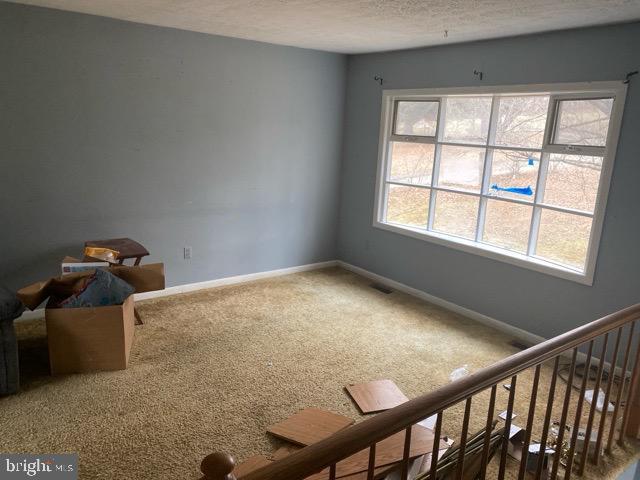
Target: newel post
[[632, 427], [218, 466]]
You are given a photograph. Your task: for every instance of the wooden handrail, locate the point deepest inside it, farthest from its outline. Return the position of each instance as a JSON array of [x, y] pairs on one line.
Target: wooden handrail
[[318, 456]]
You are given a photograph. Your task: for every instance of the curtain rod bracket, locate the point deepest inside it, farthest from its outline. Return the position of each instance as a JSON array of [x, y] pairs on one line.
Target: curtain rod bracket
[[627, 79]]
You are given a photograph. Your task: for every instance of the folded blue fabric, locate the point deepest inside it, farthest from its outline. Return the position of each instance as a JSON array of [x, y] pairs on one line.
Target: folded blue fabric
[[102, 288]]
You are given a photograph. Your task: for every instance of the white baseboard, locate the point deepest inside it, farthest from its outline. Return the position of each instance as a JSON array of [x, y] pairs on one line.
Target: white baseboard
[[30, 315], [192, 287], [220, 282], [525, 337]]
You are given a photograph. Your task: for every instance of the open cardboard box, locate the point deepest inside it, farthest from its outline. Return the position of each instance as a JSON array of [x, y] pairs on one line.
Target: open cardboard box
[[90, 339]]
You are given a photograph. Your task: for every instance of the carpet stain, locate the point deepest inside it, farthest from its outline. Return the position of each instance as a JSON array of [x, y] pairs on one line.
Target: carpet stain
[[210, 370]]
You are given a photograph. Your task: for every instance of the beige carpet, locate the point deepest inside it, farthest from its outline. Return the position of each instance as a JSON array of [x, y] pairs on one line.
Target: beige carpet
[[211, 370]]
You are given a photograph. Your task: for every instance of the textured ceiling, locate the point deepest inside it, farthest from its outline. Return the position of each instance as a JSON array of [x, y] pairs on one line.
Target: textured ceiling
[[356, 26]]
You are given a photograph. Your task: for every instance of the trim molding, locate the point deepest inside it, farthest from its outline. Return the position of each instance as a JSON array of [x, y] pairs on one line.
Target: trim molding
[[525, 337], [219, 282]]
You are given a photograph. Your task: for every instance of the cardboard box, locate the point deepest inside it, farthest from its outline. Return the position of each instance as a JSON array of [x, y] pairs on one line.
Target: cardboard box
[[90, 339], [144, 278]]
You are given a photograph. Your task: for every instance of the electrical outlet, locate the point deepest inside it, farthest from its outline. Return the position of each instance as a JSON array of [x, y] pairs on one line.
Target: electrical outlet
[[187, 253]]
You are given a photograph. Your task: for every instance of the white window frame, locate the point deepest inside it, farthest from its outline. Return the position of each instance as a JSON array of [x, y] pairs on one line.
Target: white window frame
[[562, 91]]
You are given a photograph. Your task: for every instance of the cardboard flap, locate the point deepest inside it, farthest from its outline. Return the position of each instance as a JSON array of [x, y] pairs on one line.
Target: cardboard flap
[[34, 294], [144, 278], [61, 287]]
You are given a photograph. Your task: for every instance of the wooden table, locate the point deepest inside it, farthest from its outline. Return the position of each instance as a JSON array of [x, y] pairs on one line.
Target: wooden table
[[125, 247]]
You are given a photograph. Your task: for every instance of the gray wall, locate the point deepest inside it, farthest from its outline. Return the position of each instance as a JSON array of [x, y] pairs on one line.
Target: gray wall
[[109, 128], [173, 138], [533, 301]]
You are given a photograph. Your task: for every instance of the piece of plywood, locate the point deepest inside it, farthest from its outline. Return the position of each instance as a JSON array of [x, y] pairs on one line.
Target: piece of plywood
[[309, 426], [388, 451], [250, 464], [376, 396], [284, 451]]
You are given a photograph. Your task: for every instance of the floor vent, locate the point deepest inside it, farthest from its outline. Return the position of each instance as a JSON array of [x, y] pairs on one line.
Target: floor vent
[[381, 288]]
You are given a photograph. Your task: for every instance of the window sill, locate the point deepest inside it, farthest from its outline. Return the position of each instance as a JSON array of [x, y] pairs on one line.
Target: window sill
[[494, 253]]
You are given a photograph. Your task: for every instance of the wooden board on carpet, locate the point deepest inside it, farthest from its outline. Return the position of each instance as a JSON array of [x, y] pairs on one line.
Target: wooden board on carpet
[[376, 396], [250, 464], [388, 451], [309, 426], [284, 451]]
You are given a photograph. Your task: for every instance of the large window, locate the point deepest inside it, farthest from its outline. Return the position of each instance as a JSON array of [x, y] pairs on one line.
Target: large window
[[519, 174]]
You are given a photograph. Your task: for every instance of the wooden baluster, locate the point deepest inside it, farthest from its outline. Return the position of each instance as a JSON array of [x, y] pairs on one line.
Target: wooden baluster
[[607, 394], [531, 416], [576, 422], [372, 462], [435, 452], [631, 415], [218, 466], [564, 414], [332, 471], [406, 454], [487, 433], [592, 410], [507, 427], [547, 420], [616, 407], [463, 438]]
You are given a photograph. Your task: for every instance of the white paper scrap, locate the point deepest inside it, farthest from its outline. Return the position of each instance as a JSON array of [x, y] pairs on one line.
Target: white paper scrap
[[503, 415], [588, 396]]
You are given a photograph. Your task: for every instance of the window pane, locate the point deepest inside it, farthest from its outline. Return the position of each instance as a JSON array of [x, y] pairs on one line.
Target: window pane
[[467, 119], [416, 118], [456, 214], [521, 121], [411, 162], [461, 167], [408, 205], [563, 238], [572, 181], [507, 225], [514, 174], [583, 122]]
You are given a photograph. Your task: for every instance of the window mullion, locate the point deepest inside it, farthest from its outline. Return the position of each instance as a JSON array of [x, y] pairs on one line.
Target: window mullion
[[542, 179], [486, 169], [436, 162], [537, 209], [434, 181]]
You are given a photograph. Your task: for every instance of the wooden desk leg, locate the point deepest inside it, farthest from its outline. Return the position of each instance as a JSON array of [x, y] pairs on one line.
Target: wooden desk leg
[[137, 315]]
